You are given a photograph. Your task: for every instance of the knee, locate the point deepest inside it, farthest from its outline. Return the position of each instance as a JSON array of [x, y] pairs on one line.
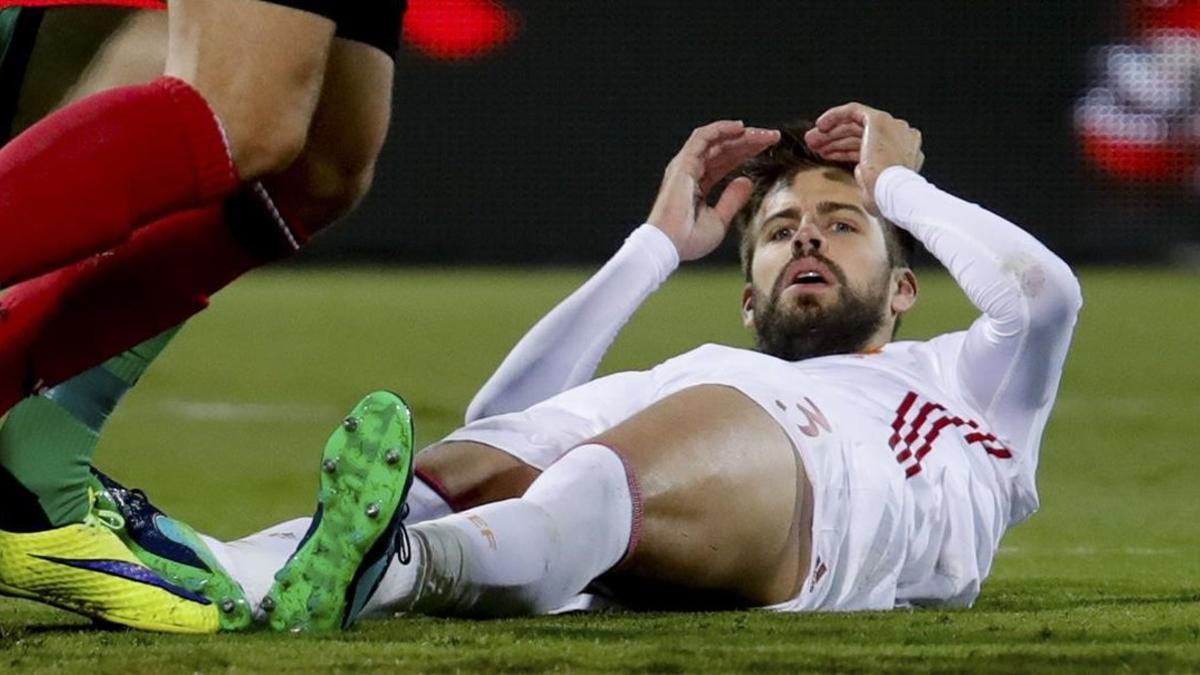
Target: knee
[[319, 188], [333, 186]]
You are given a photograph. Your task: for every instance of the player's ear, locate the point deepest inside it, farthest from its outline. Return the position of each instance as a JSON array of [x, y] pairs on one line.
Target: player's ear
[[904, 290], [748, 306]]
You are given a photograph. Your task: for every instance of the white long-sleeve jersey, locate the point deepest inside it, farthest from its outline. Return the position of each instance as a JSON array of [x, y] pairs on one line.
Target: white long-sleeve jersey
[[920, 456]]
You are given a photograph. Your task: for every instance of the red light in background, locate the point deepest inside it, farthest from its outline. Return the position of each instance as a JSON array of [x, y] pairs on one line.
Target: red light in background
[[1158, 15], [457, 30], [1134, 161]]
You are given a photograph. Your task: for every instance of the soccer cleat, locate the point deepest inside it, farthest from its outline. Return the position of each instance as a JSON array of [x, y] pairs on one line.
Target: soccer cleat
[[85, 568], [366, 472], [173, 550]]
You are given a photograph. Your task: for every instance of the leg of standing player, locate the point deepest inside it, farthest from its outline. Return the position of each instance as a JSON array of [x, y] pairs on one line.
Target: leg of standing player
[[170, 267], [92, 153], [345, 163], [330, 176]]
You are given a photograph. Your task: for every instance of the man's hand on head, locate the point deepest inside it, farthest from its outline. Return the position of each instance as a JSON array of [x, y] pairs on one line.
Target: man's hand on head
[[870, 138], [709, 155]]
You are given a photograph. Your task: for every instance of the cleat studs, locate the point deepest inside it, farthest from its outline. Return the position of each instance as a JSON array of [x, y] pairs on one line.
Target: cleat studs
[[350, 424], [392, 456], [373, 510], [228, 605], [329, 465], [268, 604]]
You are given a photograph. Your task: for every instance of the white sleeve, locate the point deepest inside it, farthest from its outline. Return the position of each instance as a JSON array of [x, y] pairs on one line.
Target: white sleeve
[[564, 349], [1012, 357]]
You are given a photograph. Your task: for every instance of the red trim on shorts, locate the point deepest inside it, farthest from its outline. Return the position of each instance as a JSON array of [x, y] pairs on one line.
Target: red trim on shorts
[[438, 487], [129, 4]]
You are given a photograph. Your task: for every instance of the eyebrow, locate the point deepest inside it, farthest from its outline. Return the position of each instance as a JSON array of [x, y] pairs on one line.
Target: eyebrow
[[829, 207], [823, 208]]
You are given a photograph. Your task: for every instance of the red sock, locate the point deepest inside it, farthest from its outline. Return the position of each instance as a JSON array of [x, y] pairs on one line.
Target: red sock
[[62, 323], [82, 179]]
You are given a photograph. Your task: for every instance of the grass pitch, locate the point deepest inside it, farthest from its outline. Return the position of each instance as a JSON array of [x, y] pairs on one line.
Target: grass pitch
[[225, 431]]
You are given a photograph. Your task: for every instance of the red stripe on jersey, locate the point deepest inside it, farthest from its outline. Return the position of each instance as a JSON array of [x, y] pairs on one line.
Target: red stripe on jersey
[[926, 410], [933, 435], [901, 413], [130, 4], [1000, 452]]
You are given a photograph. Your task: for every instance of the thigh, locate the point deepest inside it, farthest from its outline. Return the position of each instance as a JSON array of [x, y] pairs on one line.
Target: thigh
[[473, 474], [497, 457], [259, 65], [727, 510]]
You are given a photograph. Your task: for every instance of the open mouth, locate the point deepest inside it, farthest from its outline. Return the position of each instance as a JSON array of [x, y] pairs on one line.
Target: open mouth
[[809, 273], [809, 279]]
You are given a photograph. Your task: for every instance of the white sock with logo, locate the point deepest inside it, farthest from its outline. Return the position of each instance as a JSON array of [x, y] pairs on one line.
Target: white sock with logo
[[520, 556]]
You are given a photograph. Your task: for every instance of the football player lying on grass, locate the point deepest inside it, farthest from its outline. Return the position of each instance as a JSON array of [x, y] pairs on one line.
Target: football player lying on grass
[[828, 469]]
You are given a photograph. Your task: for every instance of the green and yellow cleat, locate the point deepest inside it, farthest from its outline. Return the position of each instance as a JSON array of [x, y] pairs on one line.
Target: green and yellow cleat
[[366, 472], [173, 550], [85, 568]]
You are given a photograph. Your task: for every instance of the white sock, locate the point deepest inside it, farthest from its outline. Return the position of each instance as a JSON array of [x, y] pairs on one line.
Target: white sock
[[519, 556], [253, 561]]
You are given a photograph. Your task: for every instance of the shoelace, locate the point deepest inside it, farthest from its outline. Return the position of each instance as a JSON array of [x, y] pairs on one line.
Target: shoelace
[[99, 516], [126, 497], [403, 544]]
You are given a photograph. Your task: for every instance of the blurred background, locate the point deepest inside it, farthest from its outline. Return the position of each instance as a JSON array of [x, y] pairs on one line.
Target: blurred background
[[535, 131]]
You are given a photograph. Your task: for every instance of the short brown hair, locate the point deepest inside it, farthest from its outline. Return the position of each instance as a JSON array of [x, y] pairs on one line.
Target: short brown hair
[[780, 164]]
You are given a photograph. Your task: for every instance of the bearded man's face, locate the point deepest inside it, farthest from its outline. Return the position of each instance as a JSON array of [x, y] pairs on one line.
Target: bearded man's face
[[821, 279]]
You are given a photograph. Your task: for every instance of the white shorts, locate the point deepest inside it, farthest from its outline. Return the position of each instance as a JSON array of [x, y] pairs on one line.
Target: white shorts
[[851, 568]]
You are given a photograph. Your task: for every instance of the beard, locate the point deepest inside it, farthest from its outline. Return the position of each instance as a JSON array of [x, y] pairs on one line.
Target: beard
[[801, 328]]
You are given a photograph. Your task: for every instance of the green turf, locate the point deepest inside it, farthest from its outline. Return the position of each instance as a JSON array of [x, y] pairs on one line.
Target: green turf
[[227, 429]]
